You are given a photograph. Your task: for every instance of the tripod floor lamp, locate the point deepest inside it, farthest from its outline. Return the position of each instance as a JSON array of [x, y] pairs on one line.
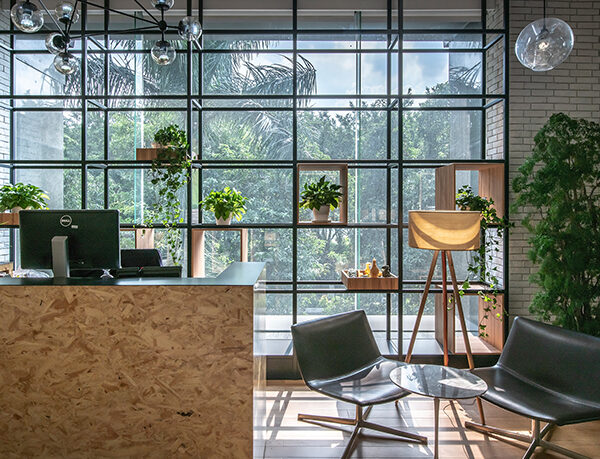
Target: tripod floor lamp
[[443, 231]]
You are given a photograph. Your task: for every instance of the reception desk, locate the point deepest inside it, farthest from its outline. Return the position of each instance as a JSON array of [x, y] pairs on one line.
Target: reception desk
[[131, 367]]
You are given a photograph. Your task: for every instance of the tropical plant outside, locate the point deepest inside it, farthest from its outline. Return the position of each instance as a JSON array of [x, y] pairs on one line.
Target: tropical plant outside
[[20, 195], [226, 203], [557, 188]]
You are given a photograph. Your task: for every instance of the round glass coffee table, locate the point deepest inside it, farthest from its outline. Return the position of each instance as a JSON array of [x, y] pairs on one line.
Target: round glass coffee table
[[438, 382]]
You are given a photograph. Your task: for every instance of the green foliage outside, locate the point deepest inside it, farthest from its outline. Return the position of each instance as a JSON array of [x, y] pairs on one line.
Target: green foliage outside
[[558, 189], [21, 195]]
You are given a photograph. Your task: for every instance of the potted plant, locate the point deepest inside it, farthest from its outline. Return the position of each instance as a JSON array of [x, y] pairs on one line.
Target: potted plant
[[170, 172], [20, 196], [225, 205], [477, 267], [320, 197]]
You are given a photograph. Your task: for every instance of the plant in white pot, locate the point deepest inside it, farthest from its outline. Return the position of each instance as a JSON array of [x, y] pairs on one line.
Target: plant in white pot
[[320, 197], [20, 196], [225, 204]]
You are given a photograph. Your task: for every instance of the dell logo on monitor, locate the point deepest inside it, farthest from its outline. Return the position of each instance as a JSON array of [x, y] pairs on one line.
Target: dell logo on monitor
[[66, 220]]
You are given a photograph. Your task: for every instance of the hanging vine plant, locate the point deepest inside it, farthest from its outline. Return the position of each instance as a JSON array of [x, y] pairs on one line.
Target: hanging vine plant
[[170, 173], [477, 267]]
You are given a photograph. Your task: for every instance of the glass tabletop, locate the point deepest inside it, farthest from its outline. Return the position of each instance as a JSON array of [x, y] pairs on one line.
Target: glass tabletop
[[438, 381]]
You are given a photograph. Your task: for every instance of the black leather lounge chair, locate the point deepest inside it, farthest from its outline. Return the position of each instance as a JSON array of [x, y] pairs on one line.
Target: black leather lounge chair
[[547, 374], [338, 357]]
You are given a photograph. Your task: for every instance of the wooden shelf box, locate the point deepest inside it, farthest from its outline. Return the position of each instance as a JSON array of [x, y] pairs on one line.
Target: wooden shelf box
[[198, 241], [9, 219], [494, 325], [369, 283], [342, 169], [491, 184], [144, 237], [148, 154]]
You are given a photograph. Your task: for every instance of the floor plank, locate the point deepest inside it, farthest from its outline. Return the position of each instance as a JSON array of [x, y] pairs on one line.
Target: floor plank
[[286, 437]]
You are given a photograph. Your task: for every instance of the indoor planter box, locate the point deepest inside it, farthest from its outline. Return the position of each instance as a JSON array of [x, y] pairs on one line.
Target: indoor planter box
[[9, 218], [369, 283]]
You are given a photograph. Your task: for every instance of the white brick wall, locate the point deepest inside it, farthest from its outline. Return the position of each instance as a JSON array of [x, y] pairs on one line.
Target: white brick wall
[[572, 88]]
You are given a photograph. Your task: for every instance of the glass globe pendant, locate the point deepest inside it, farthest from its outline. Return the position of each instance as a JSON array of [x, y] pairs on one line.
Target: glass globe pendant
[[65, 11], [56, 43], [544, 44], [162, 4], [189, 28], [26, 17], [163, 53], [65, 63]]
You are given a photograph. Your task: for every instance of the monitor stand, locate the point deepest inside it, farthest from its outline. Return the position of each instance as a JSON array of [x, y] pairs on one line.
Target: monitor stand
[[60, 256]]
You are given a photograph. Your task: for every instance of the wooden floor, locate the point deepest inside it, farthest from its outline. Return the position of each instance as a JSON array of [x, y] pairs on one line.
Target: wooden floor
[[286, 437]]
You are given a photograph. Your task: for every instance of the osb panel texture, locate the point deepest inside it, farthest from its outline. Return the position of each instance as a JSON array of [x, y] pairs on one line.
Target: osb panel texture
[[126, 371]]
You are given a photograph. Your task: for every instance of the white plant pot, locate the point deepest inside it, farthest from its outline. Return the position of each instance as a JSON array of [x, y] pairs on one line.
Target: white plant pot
[[321, 215], [222, 222], [16, 210]]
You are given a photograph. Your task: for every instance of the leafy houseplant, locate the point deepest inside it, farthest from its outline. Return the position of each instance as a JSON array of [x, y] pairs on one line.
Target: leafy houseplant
[[225, 204], [558, 189], [477, 266], [170, 172], [321, 197], [19, 196]]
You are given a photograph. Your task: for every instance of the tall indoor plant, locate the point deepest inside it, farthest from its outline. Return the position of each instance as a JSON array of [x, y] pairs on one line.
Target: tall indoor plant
[[320, 197], [481, 266], [558, 189], [170, 173]]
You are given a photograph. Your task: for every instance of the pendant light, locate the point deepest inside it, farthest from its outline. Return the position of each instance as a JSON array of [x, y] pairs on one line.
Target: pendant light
[[544, 44]]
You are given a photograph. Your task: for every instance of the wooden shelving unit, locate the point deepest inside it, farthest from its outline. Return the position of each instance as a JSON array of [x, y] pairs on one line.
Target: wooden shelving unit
[[9, 219], [491, 184], [198, 242], [342, 168]]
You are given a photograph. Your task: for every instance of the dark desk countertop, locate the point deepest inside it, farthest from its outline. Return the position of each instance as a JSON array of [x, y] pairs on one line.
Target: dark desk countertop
[[236, 274]]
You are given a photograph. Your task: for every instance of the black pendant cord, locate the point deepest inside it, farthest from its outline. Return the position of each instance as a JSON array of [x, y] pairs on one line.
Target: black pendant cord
[[544, 28], [70, 23], [64, 34], [146, 11], [122, 13]]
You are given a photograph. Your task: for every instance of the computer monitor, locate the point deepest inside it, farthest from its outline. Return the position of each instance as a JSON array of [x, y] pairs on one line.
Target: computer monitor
[[65, 239]]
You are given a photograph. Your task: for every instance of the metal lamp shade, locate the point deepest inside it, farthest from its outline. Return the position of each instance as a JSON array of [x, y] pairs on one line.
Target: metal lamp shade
[[444, 229]]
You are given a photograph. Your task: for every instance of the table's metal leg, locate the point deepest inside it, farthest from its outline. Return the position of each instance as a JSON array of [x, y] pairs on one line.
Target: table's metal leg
[[436, 424]]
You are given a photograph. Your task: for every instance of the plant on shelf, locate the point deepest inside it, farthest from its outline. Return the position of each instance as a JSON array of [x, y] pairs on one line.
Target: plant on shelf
[[558, 191], [170, 173], [20, 196], [225, 204], [320, 197], [477, 267]]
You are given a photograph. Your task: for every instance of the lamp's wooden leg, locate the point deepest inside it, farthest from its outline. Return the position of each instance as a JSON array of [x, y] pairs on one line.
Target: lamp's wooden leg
[[445, 309], [421, 307], [459, 308]]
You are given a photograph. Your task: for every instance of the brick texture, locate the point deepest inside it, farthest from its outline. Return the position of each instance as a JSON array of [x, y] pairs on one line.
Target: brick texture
[[572, 88]]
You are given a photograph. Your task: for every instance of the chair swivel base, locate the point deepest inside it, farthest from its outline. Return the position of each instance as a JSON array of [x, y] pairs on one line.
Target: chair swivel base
[[535, 439], [360, 422]]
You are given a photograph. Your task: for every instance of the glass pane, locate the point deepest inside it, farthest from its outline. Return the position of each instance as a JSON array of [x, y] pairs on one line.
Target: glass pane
[[244, 73], [324, 252], [95, 188], [63, 186], [268, 192], [247, 135], [95, 134], [35, 75], [273, 246], [131, 130], [441, 73], [47, 135], [367, 195], [439, 134]]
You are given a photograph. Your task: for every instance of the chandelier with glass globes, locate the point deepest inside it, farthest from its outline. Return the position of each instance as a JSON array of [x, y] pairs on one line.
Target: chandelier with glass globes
[[27, 17]]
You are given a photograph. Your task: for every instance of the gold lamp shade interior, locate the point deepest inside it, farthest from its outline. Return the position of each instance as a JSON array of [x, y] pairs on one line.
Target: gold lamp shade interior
[[444, 229]]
